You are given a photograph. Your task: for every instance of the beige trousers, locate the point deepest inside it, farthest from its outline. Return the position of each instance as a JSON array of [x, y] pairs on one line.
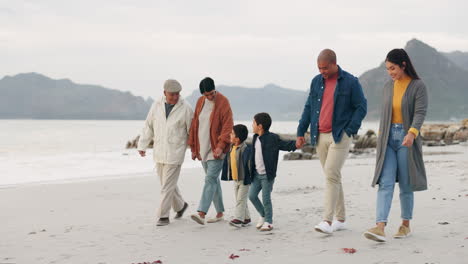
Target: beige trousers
[[332, 157], [170, 193], [241, 191]]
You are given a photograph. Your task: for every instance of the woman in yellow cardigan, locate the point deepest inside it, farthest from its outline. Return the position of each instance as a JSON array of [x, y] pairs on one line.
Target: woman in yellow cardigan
[[399, 148]]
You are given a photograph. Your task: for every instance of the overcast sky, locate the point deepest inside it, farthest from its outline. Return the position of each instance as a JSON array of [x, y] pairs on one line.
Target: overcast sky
[[136, 45]]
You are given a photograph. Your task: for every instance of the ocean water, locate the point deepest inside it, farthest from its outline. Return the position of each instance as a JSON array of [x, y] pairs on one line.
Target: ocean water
[[33, 151]]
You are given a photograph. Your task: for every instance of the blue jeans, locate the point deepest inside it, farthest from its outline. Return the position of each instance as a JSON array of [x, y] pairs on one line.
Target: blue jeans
[[395, 167], [212, 188], [261, 183]]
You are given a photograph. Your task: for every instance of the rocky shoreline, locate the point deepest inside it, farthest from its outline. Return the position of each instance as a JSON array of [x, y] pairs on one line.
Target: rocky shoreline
[[362, 145], [432, 135], [445, 134]]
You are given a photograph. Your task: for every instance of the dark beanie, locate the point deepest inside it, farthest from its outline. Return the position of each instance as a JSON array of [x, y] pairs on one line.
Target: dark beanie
[[207, 85]]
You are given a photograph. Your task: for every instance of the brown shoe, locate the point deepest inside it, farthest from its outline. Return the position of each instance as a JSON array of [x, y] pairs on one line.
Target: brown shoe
[[375, 234], [403, 232], [181, 212]]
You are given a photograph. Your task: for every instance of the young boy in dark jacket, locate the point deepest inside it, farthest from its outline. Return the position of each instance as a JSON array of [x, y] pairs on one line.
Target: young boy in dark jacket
[[237, 168], [266, 147]]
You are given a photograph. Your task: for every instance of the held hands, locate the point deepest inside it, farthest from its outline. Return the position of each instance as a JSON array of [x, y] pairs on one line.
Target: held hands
[[142, 153], [195, 156], [408, 140], [300, 142], [217, 153]]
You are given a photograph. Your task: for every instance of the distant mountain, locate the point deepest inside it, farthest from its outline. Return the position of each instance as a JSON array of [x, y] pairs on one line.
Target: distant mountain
[[447, 83], [35, 96], [459, 58], [280, 103], [32, 95]]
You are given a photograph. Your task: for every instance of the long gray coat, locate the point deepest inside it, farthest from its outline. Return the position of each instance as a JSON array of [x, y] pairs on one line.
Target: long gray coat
[[414, 108]]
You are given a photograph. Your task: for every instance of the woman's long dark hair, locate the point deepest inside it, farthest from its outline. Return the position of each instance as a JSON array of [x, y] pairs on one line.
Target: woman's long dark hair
[[398, 56]]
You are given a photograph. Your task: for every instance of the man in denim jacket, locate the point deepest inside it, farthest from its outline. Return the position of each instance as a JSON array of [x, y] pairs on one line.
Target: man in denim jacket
[[334, 111]]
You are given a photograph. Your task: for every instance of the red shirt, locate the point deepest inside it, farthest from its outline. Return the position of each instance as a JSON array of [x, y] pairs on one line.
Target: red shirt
[[326, 112]]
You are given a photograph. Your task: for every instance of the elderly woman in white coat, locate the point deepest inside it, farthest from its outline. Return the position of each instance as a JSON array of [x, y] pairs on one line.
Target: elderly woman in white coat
[[168, 124]]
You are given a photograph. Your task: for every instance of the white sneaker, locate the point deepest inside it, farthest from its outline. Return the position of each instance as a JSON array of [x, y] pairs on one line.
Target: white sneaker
[[260, 222], [338, 226], [197, 218], [324, 227], [215, 219], [266, 227]]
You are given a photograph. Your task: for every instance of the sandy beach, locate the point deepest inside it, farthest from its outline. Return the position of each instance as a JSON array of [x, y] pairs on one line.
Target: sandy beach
[[113, 220]]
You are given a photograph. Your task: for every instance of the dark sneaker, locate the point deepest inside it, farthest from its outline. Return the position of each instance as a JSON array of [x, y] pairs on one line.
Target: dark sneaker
[[247, 222], [163, 221], [236, 222], [181, 212]]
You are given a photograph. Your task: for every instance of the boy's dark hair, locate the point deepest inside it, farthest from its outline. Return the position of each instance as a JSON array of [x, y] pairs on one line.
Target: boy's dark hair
[[207, 85], [241, 132], [263, 119]]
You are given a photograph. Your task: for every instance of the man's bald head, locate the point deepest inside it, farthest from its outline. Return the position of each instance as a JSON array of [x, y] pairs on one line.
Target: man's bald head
[[327, 55], [326, 63]]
